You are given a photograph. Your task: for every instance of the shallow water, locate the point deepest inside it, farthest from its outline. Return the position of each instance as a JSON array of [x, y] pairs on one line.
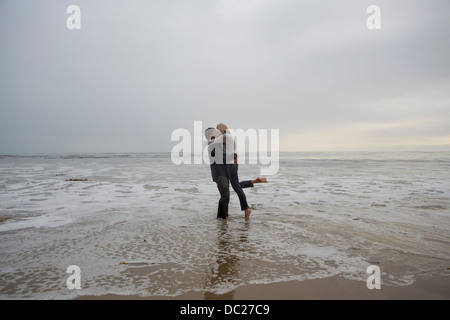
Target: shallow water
[[141, 225]]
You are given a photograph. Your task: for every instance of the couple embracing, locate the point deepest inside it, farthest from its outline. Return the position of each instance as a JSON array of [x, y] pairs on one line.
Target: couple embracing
[[224, 169]]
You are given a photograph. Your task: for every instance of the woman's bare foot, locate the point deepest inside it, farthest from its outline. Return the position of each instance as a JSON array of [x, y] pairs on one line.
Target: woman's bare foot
[[260, 180], [248, 211]]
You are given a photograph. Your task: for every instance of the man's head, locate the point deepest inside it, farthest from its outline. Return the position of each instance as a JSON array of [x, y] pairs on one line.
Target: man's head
[[212, 133], [209, 132]]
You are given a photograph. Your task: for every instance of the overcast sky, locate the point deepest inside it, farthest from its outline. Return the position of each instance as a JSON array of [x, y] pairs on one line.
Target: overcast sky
[[138, 70]]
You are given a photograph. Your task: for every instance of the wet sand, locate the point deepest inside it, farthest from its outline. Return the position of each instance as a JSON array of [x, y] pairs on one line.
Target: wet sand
[[333, 288], [141, 226]]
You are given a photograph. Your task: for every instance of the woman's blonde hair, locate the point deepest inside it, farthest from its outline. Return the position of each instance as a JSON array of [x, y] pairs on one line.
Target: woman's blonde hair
[[222, 127]]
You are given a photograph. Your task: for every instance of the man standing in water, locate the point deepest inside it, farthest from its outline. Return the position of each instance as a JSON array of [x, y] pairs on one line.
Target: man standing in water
[[220, 174]]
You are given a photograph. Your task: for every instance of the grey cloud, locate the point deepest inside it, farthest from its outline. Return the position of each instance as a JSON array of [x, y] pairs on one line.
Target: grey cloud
[[140, 69]]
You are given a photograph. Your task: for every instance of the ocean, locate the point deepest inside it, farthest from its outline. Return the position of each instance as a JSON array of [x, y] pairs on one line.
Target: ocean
[[137, 224]]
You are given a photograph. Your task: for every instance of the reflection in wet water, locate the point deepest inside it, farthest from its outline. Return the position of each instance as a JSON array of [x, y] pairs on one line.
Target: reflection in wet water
[[225, 268]]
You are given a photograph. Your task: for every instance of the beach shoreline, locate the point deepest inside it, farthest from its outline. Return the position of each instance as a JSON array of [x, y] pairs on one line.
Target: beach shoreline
[[331, 288], [142, 228]]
